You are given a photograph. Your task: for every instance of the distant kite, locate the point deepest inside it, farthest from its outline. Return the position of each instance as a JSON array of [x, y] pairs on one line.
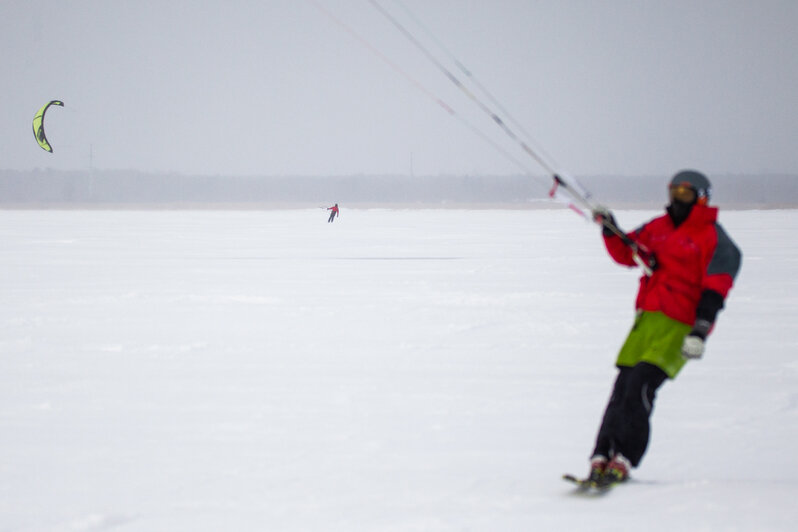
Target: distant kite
[[38, 125]]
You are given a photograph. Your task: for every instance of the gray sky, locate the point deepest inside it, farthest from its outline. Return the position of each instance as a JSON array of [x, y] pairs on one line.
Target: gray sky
[[276, 87]]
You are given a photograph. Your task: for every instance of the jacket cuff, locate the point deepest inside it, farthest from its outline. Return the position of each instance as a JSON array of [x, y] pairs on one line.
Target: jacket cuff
[[709, 305]]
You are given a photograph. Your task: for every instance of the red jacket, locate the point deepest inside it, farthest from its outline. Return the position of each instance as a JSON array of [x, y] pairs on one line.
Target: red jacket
[[691, 258]]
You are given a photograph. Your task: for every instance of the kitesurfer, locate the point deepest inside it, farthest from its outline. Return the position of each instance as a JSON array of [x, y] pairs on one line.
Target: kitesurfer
[[333, 213], [694, 266]]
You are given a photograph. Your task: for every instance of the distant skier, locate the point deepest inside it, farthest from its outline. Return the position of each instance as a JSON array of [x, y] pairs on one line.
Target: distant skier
[[334, 212], [694, 265]]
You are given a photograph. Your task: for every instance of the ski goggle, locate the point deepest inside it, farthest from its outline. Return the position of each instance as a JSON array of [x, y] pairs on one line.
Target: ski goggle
[[683, 193]]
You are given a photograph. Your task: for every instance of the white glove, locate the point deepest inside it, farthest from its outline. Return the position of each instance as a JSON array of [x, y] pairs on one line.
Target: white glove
[[692, 347]]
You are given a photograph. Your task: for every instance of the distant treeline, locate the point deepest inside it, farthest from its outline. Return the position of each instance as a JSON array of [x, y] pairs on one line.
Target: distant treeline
[[54, 188]]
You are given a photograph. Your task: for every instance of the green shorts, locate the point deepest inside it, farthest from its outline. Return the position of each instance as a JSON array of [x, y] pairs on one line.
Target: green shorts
[[657, 339]]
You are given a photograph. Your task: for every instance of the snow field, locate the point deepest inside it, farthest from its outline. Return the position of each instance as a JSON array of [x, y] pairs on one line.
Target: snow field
[[395, 370]]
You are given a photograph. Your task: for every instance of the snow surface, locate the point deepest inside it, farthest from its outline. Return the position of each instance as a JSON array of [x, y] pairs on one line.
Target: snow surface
[[397, 370]]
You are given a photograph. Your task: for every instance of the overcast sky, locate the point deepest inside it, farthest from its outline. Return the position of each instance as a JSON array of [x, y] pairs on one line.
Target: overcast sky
[[279, 87]]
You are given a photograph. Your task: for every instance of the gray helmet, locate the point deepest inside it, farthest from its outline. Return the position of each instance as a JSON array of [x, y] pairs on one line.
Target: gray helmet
[[695, 180]]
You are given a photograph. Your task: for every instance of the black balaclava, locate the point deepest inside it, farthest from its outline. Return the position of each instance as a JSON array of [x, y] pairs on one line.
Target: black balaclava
[[679, 211]]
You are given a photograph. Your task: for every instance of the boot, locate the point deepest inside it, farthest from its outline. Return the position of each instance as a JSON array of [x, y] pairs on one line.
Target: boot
[[617, 470], [598, 465]]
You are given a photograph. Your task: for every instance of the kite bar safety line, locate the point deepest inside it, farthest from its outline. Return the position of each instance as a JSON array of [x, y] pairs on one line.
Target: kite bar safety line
[[582, 198]]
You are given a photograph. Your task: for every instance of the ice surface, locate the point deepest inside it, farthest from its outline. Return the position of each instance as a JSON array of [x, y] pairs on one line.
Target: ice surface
[[395, 370]]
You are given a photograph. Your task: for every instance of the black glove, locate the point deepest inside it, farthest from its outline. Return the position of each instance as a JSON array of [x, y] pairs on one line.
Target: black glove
[[600, 214], [649, 258]]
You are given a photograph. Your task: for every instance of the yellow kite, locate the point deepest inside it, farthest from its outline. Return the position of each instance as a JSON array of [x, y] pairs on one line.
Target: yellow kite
[[38, 125]]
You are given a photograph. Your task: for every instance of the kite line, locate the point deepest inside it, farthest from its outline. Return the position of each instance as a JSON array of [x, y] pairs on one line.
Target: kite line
[[576, 197], [561, 180], [418, 85]]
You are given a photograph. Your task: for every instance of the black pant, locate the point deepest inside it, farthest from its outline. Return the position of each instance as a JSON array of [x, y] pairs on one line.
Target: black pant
[[625, 428], [332, 217]]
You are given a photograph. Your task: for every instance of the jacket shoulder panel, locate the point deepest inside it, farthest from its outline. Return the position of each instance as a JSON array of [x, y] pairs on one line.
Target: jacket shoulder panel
[[727, 256]]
